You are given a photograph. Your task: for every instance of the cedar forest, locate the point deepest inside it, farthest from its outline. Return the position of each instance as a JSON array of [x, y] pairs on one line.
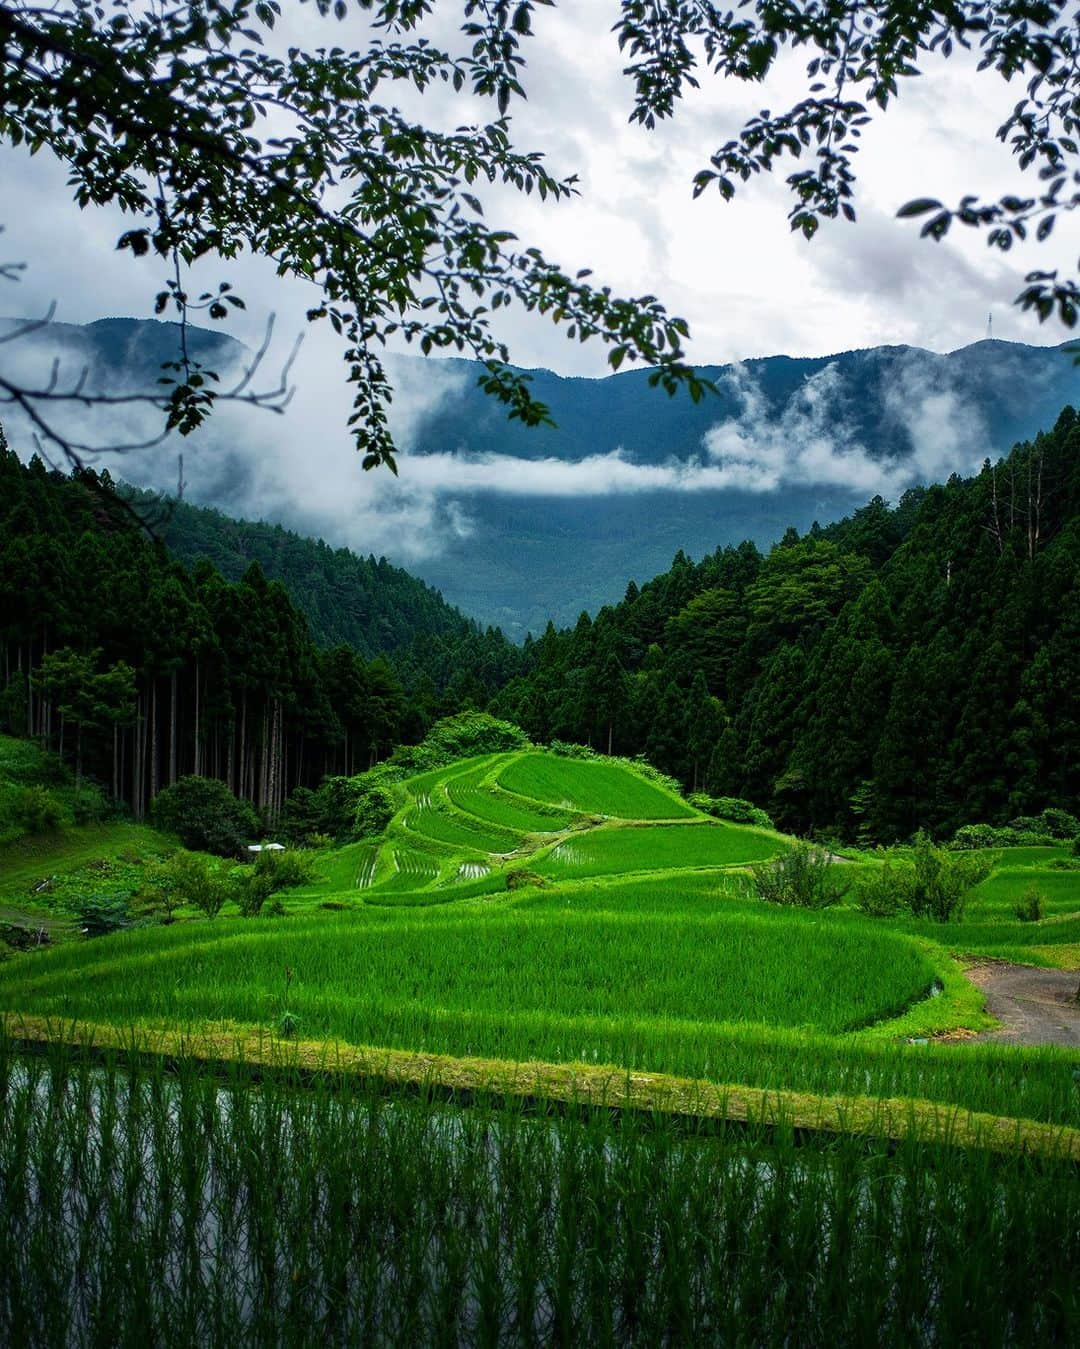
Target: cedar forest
[[914, 665]]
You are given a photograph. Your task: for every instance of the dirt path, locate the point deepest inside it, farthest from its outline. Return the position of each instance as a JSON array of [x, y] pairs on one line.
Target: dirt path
[[1034, 1006]]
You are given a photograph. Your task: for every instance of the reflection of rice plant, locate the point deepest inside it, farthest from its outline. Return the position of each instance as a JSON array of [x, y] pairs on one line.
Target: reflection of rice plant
[[472, 871], [568, 855], [365, 874]]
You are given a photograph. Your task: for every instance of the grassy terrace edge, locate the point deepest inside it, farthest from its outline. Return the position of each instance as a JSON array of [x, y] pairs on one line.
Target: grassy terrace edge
[[583, 1085]]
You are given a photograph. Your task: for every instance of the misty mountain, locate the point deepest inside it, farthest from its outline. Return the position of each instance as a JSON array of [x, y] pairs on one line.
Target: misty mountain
[[516, 526]]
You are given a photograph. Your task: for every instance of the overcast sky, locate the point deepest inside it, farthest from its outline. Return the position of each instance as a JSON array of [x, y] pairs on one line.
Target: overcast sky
[[747, 285]]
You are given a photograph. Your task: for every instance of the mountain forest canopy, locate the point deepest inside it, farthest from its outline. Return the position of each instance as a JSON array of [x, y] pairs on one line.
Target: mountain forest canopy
[[142, 671], [910, 666], [915, 665], [191, 120]]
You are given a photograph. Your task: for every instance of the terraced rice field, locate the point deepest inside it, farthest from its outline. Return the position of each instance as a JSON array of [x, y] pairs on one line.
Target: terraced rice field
[[659, 847], [590, 787], [525, 906]]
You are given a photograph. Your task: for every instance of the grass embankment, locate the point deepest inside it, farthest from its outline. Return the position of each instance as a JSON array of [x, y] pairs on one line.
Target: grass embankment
[[589, 1086]]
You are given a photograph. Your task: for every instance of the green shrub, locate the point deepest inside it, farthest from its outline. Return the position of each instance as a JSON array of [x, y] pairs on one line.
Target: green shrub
[[206, 816], [459, 737], [100, 915], [158, 893], [883, 891], [37, 810], [1032, 831], [942, 881], [1059, 823], [272, 873], [521, 878], [733, 808], [375, 808], [804, 876], [1032, 906], [90, 805], [194, 879]]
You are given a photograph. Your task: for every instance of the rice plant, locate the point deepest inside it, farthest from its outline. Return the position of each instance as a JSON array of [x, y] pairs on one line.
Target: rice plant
[[141, 1208], [591, 787]]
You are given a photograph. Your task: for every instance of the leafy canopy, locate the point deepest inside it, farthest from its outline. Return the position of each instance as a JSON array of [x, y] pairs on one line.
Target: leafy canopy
[[215, 144]]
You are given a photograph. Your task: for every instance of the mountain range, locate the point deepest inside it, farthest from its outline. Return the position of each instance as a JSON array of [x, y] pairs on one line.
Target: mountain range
[[526, 525]]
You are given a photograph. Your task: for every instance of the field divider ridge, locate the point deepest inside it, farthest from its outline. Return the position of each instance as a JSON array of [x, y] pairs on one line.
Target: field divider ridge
[[898, 1119]]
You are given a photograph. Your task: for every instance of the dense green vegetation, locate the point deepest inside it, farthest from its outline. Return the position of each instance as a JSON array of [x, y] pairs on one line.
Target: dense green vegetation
[[911, 666], [473, 897], [140, 672], [403, 1220], [455, 935], [364, 603]]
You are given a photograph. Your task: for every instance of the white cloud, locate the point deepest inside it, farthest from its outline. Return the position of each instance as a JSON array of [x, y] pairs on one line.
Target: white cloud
[[812, 442]]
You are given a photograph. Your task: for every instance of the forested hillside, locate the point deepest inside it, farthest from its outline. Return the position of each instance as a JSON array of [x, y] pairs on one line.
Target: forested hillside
[[916, 665], [624, 478], [368, 603], [141, 671]]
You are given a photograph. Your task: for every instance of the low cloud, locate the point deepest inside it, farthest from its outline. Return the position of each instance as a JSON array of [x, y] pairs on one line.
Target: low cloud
[[300, 468], [813, 440]]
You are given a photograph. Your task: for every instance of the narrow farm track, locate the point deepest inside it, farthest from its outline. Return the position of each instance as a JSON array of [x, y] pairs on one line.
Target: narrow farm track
[[1035, 1006]]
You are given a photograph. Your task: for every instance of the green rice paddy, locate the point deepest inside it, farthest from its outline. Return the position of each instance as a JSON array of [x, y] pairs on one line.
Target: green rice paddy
[[529, 914], [592, 787], [144, 1208], [658, 847], [526, 906]]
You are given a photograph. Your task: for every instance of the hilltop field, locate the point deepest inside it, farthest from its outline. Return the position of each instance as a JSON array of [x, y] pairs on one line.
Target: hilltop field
[[530, 907]]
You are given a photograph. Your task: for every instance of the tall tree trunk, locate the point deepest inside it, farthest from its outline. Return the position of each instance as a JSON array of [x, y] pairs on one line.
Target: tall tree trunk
[[172, 728], [198, 723], [155, 767], [241, 789]]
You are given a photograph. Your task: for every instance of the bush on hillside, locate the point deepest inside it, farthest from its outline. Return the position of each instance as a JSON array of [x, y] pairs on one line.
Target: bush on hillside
[[1031, 831], [1032, 906], [37, 810], [272, 873], [192, 878], [205, 816], [100, 915], [460, 737], [1052, 823], [943, 880], [881, 892], [375, 807], [732, 808], [804, 877]]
